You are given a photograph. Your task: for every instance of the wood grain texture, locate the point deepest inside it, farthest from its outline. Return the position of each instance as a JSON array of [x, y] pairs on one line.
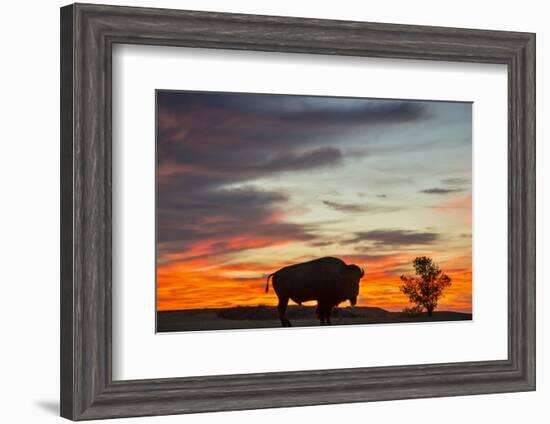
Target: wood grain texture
[[88, 33], [66, 212]]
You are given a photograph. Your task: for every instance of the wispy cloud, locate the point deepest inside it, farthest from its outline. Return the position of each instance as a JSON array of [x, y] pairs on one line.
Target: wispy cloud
[[292, 161], [436, 190], [395, 237], [456, 181], [346, 207], [359, 207]]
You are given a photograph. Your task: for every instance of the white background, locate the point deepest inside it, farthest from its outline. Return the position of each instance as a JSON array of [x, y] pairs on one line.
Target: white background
[[29, 170], [139, 70]]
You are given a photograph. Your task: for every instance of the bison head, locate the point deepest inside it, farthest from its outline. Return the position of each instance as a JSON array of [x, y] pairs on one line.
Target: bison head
[[350, 281]]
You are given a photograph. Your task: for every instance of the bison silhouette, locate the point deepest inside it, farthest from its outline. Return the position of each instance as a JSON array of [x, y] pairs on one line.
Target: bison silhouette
[[329, 281]]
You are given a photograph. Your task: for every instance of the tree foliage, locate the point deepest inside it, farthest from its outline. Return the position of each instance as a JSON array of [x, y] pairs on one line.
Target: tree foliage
[[413, 311], [427, 287]]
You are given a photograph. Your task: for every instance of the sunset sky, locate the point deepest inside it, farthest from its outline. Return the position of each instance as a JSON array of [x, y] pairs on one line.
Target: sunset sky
[[248, 183]]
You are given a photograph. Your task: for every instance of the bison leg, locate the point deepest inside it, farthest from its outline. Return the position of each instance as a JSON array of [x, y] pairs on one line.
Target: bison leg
[[321, 313], [328, 313], [324, 312], [281, 308]]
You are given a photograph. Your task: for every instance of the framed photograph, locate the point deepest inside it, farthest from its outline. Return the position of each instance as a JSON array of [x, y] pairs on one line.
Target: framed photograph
[[263, 211]]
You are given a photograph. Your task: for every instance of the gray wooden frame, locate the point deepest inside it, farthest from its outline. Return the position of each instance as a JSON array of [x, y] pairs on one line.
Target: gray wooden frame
[[88, 33]]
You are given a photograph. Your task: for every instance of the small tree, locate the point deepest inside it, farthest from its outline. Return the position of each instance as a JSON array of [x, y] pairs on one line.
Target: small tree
[[425, 289]]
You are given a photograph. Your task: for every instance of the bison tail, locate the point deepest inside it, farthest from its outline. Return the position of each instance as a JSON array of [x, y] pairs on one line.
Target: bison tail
[[267, 282]]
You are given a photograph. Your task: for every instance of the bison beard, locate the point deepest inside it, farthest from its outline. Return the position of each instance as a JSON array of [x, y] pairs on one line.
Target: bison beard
[[328, 280]]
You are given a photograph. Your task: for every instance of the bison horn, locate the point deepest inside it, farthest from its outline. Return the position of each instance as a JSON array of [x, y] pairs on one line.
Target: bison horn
[[362, 272]]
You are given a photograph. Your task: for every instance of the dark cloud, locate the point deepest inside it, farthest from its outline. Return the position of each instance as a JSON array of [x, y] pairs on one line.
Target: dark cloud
[[358, 207], [205, 223], [440, 190], [209, 142], [394, 238], [346, 207], [327, 156], [245, 135], [319, 109]]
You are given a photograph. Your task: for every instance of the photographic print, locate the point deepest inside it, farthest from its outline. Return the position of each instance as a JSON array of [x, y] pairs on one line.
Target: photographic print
[[292, 210]]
